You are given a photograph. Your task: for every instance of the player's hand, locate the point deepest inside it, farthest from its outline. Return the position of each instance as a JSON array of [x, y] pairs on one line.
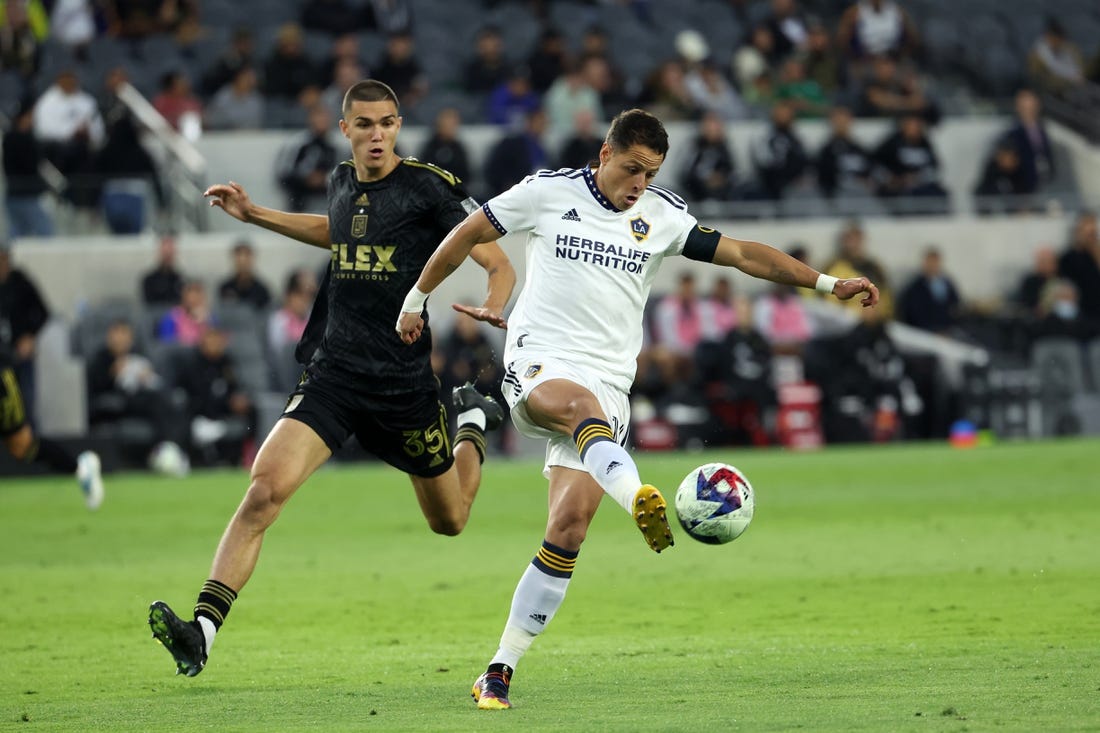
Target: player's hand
[[482, 314], [850, 287], [409, 327], [230, 198]]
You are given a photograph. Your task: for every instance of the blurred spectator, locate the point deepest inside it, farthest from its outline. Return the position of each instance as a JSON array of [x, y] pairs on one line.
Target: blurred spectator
[[1003, 186], [24, 25], [821, 59], [23, 313], [388, 16], [286, 325], [511, 102], [870, 28], [288, 71], [129, 178], [24, 185], [517, 155], [488, 68], [788, 27], [1080, 264], [123, 383], [893, 92], [344, 49], [330, 16], [804, 94], [136, 19], [185, 323], [444, 148], [240, 54], [469, 356], [1029, 136], [111, 107], [665, 94], [178, 105], [753, 59], [238, 105], [680, 322], [711, 92], [348, 72], [1055, 64], [1061, 316], [1042, 273], [780, 316], [216, 400], [548, 60], [163, 285], [243, 286], [930, 301], [73, 23], [843, 165], [723, 306], [582, 147], [779, 157], [305, 163], [907, 168], [709, 174], [68, 125], [399, 68], [569, 94], [851, 260], [603, 74]]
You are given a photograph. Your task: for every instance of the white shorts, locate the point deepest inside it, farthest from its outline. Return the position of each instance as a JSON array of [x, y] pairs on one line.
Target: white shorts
[[532, 369]]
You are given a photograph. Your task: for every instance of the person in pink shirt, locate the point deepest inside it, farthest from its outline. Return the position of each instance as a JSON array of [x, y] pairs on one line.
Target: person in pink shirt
[[285, 326], [184, 323]]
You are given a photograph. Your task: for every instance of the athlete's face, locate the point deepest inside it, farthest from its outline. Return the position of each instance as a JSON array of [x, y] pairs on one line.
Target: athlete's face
[[624, 174], [372, 129]]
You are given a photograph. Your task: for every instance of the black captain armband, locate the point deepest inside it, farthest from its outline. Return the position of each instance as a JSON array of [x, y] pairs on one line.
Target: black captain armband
[[702, 242]]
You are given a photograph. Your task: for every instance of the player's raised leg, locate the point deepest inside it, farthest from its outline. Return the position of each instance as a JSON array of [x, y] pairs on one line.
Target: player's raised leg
[[574, 498], [291, 452], [568, 408]]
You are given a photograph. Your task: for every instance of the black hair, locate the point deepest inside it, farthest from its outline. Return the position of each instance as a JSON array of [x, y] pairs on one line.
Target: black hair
[[369, 90], [637, 127]]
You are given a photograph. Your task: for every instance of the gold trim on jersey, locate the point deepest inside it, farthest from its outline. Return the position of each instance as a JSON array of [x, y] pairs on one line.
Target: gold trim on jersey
[[446, 175]]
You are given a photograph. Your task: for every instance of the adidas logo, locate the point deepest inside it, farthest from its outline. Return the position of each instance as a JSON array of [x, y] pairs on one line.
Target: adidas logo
[[539, 617], [612, 466], [571, 215], [362, 200]]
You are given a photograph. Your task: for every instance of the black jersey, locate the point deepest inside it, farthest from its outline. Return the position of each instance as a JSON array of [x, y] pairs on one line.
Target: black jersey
[[382, 234]]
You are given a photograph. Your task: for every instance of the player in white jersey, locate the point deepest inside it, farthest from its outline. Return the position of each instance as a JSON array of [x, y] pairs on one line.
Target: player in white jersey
[[595, 239]]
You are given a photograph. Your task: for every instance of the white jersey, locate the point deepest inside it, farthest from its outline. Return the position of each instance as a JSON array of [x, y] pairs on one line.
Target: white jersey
[[589, 267]]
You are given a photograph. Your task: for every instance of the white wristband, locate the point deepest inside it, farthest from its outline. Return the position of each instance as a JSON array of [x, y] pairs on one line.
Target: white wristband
[[414, 301], [825, 283]]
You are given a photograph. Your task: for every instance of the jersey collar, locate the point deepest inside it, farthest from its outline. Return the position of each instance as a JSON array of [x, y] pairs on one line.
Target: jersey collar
[[590, 179]]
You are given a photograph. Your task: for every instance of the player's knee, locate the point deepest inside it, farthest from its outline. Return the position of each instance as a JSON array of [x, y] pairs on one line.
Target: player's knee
[[448, 525], [263, 502], [568, 528]]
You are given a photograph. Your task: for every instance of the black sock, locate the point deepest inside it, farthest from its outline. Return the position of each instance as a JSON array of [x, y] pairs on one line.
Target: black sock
[[215, 600], [475, 435], [502, 669], [49, 453]]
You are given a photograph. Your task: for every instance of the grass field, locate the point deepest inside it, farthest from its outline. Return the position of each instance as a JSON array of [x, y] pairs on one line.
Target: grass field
[[912, 588]]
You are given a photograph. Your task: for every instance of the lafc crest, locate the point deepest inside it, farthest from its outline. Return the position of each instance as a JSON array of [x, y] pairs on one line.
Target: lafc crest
[[358, 225]]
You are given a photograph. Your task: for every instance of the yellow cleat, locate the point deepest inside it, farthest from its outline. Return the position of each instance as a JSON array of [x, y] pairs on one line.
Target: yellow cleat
[[651, 515], [491, 692]]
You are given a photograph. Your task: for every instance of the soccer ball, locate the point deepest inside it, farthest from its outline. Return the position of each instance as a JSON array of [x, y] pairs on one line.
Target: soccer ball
[[714, 503]]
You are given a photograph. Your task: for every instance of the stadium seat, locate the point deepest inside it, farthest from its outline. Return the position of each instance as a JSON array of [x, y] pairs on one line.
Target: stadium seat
[[1059, 367], [91, 326]]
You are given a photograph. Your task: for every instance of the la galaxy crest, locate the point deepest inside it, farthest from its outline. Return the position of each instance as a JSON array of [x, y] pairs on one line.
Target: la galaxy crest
[[359, 221], [639, 228], [532, 371]]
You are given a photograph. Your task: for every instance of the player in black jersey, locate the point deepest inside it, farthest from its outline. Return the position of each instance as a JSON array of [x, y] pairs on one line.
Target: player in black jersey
[[20, 439], [386, 216]]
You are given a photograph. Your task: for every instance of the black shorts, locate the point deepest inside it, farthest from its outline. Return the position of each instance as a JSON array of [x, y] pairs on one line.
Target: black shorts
[[407, 431], [13, 415]]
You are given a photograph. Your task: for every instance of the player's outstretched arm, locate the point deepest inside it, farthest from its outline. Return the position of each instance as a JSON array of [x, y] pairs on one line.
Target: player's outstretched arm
[[234, 200], [452, 252], [760, 260], [502, 279]]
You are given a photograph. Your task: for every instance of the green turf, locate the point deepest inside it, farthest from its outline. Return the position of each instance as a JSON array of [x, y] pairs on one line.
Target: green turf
[[914, 588]]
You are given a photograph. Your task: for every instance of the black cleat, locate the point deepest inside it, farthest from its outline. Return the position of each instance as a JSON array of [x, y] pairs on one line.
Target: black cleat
[[467, 398], [184, 639]]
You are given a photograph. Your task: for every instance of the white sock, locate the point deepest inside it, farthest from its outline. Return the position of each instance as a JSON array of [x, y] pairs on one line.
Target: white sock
[[208, 631], [537, 598], [614, 470], [473, 416]]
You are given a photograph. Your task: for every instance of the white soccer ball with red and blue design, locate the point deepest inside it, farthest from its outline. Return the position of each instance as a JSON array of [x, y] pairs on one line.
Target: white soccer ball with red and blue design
[[715, 503]]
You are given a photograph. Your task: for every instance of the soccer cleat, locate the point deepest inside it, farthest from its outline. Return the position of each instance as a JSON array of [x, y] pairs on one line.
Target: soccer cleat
[[651, 514], [467, 398], [90, 477], [491, 691], [184, 639]]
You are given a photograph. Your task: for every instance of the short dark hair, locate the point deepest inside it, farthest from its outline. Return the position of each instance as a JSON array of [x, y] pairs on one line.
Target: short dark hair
[[637, 127], [369, 90]]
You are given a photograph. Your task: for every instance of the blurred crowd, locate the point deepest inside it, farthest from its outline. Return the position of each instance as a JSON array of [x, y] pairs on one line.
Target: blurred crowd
[[796, 60]]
